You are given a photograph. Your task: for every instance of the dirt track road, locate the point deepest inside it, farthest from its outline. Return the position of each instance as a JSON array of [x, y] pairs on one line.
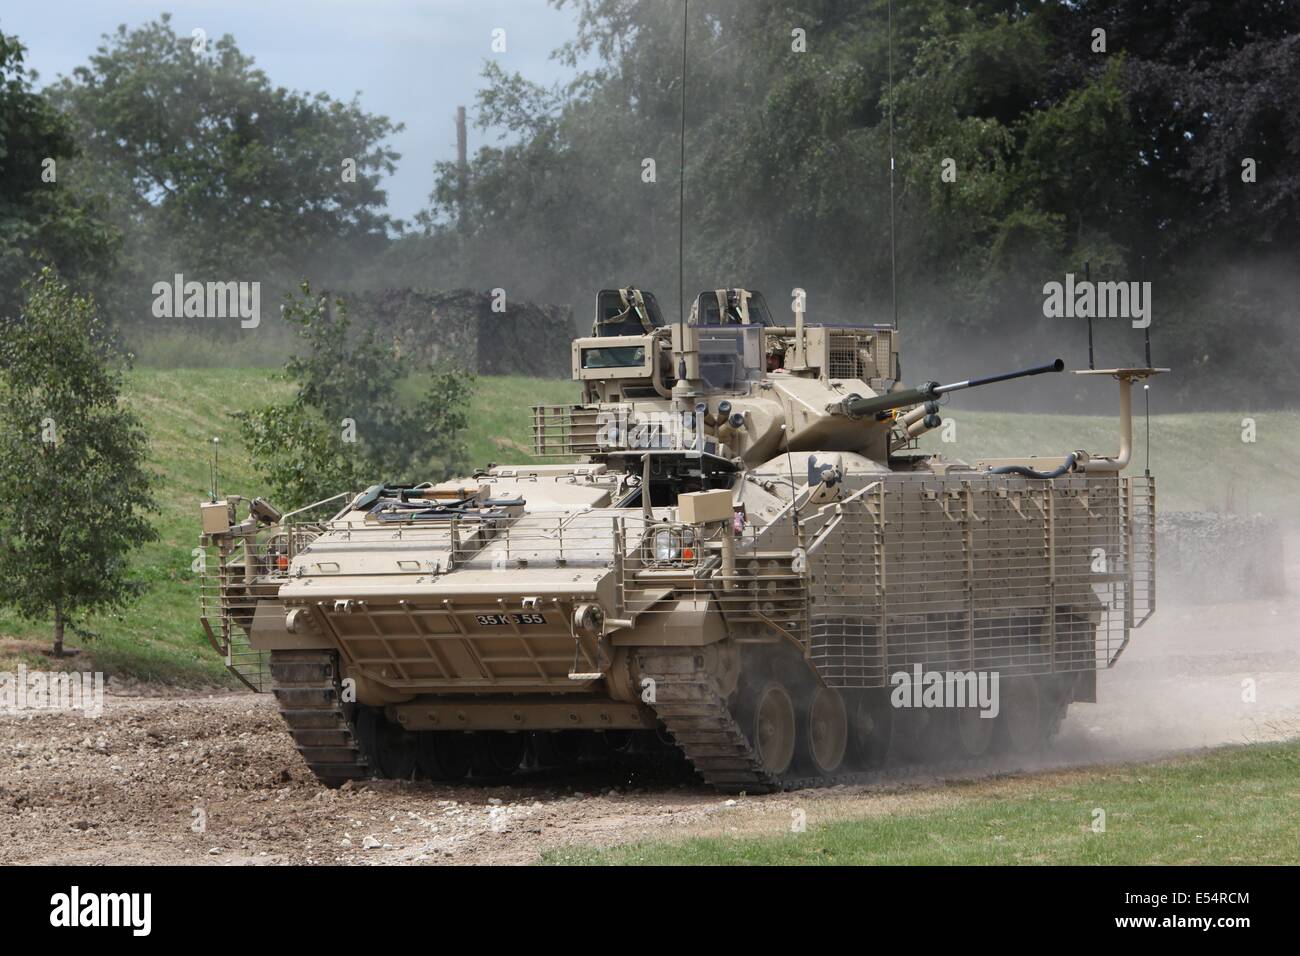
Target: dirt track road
[[215, 780]]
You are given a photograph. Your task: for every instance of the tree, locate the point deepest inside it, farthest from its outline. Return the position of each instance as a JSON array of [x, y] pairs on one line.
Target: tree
[[42, 219], [216, 173], [74, 490], [348, 427], [1133, 160]]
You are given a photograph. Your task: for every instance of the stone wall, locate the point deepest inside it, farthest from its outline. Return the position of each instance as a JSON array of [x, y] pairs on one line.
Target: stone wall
[[459, 326]]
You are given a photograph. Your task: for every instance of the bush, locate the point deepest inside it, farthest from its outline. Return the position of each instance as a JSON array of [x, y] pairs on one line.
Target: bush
[[347, 427]]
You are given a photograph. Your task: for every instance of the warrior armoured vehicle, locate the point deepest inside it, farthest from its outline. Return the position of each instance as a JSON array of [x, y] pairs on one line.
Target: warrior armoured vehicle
[[734, 547]]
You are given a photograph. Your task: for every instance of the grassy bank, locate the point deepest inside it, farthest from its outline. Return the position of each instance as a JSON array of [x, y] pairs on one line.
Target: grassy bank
[[1232, 806]]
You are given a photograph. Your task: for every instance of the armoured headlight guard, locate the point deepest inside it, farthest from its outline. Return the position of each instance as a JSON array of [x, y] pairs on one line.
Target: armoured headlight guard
[[671, 545]]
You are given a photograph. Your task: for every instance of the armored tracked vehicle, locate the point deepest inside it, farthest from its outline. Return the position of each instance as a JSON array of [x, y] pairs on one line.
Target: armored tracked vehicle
[[732, 546]]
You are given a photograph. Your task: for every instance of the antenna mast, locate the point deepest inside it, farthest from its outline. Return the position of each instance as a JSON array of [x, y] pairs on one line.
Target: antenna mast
[[213, 464]]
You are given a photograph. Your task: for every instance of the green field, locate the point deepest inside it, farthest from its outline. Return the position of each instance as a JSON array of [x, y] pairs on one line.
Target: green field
[[1200, 461], [1232, 806]]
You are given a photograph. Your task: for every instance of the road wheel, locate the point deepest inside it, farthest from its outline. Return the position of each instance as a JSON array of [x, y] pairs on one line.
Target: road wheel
[[615, 741], [443, 755], [1019, 721], [871, 727], [497, 753], [911, 726], [559, 748], [939, 739], [396, 748], [825, 732], [389, 748], [974, 733], [773, 727], [1055, 694]]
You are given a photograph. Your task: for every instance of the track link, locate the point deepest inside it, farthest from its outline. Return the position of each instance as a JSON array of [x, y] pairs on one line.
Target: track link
[[308, 691], [695, 713]]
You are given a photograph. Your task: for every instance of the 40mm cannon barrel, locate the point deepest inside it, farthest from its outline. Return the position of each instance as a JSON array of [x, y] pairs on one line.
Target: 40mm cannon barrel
[[858, 407]]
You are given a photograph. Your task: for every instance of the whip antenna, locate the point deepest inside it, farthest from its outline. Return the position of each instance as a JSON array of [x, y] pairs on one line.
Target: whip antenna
[[1146, 329], [1146, 386], [681, 185], [1146, 391], [893, 265]]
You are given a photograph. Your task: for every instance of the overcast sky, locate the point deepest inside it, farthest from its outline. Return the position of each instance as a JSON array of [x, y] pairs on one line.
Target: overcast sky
[[414, 61]]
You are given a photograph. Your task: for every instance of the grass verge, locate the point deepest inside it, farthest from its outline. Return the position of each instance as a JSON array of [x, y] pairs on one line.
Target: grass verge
[[1237, 805]]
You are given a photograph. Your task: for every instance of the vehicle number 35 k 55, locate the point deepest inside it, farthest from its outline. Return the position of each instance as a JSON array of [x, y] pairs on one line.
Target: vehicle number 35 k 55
[[498, 619]]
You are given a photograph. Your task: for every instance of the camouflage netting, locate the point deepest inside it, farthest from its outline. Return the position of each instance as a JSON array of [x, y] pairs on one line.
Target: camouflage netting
[[460, 326], [1206, 557]]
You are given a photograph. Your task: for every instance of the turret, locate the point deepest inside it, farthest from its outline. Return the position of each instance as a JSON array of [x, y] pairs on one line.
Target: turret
[[733, 384]]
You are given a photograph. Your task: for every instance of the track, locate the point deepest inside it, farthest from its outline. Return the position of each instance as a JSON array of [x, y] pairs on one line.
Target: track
[[309, 695], [688, 703]]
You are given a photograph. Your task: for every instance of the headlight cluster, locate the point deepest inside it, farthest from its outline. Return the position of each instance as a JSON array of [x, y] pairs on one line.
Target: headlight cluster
[[674, 545]]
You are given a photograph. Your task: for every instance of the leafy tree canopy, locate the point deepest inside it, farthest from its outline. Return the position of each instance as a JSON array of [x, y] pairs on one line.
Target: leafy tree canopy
[[350, 424], [216, 173], [42, 219], [74, 489]]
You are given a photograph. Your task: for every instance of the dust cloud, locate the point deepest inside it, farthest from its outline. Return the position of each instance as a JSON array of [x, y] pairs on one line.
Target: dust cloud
[[1197, 676]]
